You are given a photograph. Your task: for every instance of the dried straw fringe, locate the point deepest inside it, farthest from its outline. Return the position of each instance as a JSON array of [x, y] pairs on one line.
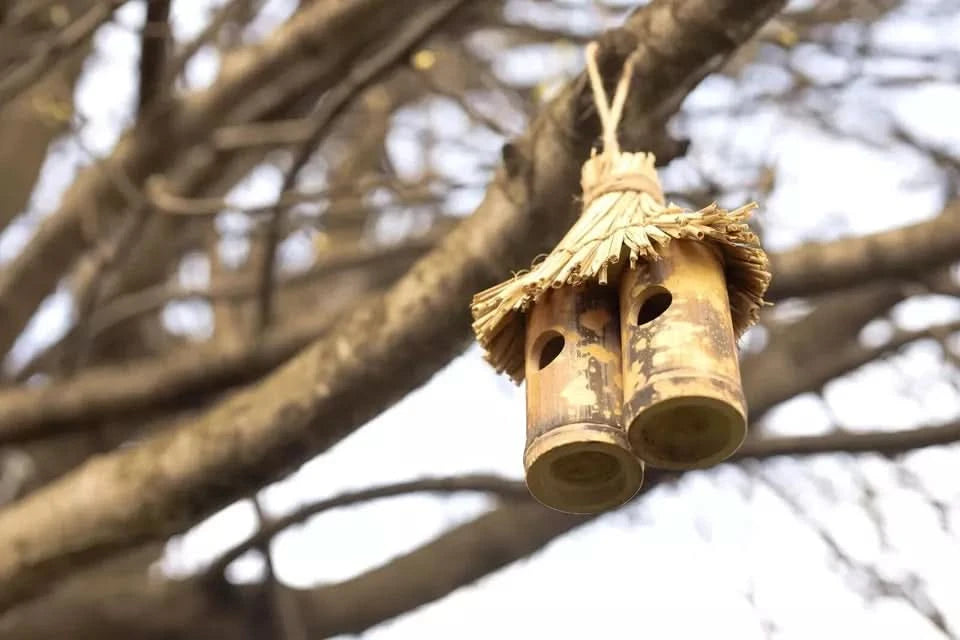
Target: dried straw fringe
[[617, 222], [624, 212]]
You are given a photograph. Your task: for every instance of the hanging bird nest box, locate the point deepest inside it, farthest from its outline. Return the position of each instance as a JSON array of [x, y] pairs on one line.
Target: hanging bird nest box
[[626, 333]]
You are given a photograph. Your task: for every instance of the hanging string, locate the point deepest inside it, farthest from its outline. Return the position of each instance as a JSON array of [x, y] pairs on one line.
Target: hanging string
[[609, 116], [612, 172]]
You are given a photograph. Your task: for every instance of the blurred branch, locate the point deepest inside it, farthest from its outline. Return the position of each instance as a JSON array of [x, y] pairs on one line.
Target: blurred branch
[[881, 442], [60, 45], [776, 374], [464, 103], [458, 557], [250, 86], [168, 202], [436, 569], [804, 355], [100, 392], [182, 56], [882, 585], [814, 372], [505, 488], [253, 134], [154, 45], [93, 269], [382, 350], [378, 265], [30, 123], [902, 252], [330, 264], [285, 611], [887, 443], [359, 77]]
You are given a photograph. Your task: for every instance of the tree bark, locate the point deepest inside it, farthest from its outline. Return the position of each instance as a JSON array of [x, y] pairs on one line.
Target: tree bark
[[376, 355]]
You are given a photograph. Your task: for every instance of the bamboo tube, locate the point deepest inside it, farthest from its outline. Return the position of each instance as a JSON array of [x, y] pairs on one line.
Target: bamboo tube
[[577, 457], [683, 400]]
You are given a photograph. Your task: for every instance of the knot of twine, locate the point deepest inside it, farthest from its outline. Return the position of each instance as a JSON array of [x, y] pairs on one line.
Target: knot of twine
[[606, 174]]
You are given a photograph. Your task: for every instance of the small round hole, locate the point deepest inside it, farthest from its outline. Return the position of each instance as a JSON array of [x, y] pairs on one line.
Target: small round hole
[[551, 348], [656, 301]]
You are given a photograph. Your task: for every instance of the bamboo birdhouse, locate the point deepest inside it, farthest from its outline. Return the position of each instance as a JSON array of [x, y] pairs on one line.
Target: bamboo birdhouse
[[626, 332], [577, 457]]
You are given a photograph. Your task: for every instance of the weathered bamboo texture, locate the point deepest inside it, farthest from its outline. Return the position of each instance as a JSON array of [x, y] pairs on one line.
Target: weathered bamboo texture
[[577, 457], [683, 400]]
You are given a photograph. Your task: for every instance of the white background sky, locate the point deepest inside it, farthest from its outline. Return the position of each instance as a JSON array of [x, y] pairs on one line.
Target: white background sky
[[718, 554]]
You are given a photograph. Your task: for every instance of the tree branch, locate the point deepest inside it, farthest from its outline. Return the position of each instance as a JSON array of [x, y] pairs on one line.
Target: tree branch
[[75, 34], [383, 350], [154, 44], [182, 610], [30, 123], [110, 391], [501, 487], [242, 93], [803, 356], [903, 252], [360, 76], [779, 372]]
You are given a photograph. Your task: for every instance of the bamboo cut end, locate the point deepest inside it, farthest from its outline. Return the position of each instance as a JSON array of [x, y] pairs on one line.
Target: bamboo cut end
[[687, 432], [582, 468]]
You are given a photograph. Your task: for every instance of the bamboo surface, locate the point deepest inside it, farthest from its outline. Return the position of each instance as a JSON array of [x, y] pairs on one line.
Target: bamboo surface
[[683, 401], [577, 457]]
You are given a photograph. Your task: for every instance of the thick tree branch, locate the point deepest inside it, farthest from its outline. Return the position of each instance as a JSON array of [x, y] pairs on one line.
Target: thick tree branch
[[380, 352], [186, 373], [898, 253], [802, 356]]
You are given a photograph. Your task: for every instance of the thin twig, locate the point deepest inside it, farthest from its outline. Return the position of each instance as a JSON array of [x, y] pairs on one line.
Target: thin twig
[[489, 122], [479, 483], [88, 276], [883, 585], [70, 37], [286, 616], [179, 59], [333, 104], [153, 298], [885, 443], [154, 45], [169, 203]]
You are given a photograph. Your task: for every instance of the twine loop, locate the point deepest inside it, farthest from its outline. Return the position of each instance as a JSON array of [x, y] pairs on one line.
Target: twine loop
[[613, 171], [610, 115]]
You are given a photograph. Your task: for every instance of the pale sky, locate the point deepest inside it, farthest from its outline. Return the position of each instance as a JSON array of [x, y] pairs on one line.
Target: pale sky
[[718, 554]]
